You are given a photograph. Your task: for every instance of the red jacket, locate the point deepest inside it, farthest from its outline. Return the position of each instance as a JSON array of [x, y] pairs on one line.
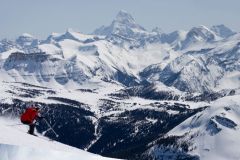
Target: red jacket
[[29, 115]]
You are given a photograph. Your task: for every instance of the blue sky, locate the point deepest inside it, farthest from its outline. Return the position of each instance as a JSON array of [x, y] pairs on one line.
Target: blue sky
[[41, 17]]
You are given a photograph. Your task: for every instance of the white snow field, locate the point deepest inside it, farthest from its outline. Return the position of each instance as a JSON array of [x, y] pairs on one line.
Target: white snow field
[[213, 133], [16, 144]]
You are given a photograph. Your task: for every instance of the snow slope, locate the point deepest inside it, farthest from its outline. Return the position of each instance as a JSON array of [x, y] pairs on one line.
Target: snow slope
[[210, 134], [15, 143]]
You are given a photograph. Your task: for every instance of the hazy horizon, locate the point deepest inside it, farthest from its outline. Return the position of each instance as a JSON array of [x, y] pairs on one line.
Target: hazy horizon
[[41, 18]]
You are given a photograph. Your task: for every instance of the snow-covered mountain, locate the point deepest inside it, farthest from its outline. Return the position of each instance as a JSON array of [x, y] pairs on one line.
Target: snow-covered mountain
[[196, 36], [123, 25], [211, 134], [222, 31], [119, 91], [6, 45], [26, 40]]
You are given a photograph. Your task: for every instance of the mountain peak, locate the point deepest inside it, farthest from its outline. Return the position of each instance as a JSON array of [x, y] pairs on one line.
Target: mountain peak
[[200, 28], [69, 30], [27, 35], [122, 11], [198, 34], [201, 31], [124, 25], [157, 30], [124, 16], [26, 40], [222, 31]]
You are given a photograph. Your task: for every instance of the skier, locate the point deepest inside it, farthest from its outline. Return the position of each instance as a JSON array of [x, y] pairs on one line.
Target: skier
[[30, 117]]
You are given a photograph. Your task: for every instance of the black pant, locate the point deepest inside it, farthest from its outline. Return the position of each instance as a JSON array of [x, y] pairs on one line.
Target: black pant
[[31, 128]]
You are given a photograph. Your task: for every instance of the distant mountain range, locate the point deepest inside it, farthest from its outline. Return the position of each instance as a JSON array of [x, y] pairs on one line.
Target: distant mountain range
[[122, 47]]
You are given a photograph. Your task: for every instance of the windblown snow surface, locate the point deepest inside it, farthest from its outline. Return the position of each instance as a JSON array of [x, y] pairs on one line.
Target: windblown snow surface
[[16, 144]]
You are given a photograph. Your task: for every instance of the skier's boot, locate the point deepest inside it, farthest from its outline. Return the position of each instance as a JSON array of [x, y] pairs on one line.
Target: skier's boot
[[31, 129], [33, 134]]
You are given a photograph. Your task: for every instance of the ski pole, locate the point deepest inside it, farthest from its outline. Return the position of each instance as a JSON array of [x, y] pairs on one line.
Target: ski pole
[[15, 124], [51, 127]]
